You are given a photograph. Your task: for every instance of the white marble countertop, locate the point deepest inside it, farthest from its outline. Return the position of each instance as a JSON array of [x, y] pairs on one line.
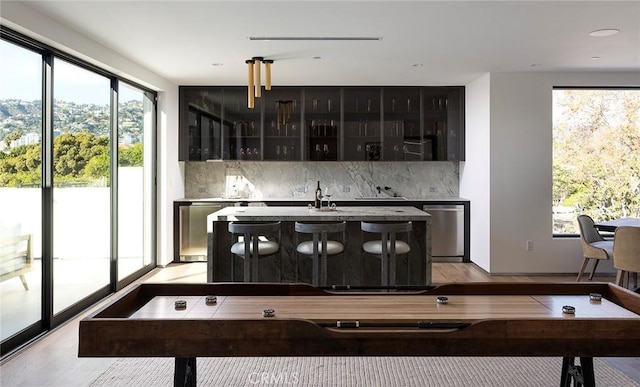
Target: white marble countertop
[[381, 199], [377, 213]]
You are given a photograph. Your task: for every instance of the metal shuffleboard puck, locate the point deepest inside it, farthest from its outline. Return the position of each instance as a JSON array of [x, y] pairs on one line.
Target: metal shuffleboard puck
[[180, 304], [210, 300], [442, 300], [595, 297], [568, 309], [268, 313]]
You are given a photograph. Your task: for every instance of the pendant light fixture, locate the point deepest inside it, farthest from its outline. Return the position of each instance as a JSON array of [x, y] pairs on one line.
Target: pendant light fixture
[[250, 84], [254, 84]]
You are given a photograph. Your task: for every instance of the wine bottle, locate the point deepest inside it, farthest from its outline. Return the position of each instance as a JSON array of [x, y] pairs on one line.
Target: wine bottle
[[318, 197]]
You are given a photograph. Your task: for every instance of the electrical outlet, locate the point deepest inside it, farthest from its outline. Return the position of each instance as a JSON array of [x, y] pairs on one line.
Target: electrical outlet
[[433, 189], [346, 188], [301, 189], [202, 189], [529, 245]]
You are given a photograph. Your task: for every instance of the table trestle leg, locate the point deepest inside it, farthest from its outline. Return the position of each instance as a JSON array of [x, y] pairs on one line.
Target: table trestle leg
[[185, 372], [582, 375]]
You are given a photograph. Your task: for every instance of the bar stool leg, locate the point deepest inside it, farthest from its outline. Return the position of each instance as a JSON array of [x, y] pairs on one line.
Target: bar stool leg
[[233, 267], [323, 260]]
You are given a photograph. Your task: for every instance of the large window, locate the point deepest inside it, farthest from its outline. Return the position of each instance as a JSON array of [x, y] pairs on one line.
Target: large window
[[596, 155], [77, 172]]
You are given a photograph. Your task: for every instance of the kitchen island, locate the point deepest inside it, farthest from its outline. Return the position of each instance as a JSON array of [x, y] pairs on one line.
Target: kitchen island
[[360, 269]]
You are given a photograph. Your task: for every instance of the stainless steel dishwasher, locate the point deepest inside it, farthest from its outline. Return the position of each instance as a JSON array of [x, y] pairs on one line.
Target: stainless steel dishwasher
[[447, 232]]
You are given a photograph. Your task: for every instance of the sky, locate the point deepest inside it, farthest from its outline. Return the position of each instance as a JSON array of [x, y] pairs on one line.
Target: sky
[[21, 78]]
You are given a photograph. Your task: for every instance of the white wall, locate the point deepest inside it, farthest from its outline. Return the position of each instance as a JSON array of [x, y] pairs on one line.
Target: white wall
[[25, 20], [521, 170], [475, 172]]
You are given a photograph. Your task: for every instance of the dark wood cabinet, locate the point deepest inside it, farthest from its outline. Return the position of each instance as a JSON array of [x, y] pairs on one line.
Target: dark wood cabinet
[[320, 123], [201, 124], [401, 123], [362, 122], [283, 129], [443, 122]]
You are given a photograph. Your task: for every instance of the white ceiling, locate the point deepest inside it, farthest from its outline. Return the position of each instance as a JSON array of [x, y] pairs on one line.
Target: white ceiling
[[456, 41]]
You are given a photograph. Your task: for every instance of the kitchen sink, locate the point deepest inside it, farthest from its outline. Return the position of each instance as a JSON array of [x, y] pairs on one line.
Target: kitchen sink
[[385, 198]]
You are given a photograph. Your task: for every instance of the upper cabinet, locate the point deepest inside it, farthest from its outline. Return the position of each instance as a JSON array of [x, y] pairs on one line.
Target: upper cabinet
[[402, 137], [443, 122], [323, 124], [362, 122], [282, 108], [201, 124]]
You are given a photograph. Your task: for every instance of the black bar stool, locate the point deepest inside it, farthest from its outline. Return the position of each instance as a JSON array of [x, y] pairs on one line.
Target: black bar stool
[[255, 240], [320, 247], [387, 248]]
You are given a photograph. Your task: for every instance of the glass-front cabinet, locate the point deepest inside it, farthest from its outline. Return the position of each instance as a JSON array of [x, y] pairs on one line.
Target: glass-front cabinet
[[200, 117], [282, 122], [443, 122], [323, 124], [243, 129], [402, 135], [362, 141]]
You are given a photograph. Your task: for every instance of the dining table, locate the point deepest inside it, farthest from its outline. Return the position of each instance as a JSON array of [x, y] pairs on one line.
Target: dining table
[[611, 225]]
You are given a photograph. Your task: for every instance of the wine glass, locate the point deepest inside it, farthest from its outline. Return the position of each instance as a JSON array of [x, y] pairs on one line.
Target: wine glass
[[327, 195]]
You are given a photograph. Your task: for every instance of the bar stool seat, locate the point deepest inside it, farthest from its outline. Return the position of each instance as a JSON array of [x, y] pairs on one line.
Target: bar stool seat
[[320, 246], [388, 247], [264, 248], [255, 238]]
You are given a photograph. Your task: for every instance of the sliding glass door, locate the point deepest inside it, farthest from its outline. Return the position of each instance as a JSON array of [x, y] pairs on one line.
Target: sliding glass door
[[77, 186], [20, 189], [136, 118], [81, 181]]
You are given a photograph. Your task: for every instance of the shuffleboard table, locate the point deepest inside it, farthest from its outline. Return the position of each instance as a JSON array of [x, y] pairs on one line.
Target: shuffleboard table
[[186, 321]]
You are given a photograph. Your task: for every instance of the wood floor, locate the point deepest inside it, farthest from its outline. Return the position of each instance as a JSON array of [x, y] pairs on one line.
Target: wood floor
[[52, 360]]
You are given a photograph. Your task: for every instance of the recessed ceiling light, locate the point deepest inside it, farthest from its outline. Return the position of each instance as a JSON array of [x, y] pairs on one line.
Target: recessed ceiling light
[[595, 57], [417, 65], [535, 65], [217, 64], [317, 57], [604, 32]]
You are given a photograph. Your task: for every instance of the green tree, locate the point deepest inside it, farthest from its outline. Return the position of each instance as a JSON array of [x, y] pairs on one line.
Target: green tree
[[596, 155], [78, 157], [72, 152], [11, 137], [97, 167], [130, 156]]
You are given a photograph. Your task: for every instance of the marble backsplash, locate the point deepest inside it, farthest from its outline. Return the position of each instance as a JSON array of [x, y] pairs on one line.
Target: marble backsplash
[[345, 179]]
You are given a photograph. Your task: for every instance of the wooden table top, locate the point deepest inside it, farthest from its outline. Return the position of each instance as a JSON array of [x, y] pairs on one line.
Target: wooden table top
[[611, 225], [388, 308], [480, 319]]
